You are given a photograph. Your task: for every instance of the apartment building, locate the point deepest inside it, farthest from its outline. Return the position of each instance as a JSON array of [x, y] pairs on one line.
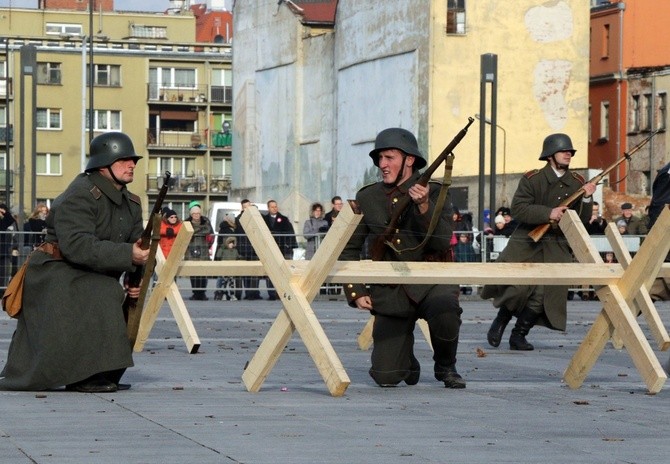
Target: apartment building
[[151, 79], [628, 90]]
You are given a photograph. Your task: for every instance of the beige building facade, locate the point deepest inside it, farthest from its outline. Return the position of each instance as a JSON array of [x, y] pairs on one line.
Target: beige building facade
[[170, 94], [312, 102]]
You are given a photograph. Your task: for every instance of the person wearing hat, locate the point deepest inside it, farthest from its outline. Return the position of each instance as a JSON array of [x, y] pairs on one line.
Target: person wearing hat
[[397, 307], [226, 285], [634, 225], [537, 201], [198, 247], [170, 227], [71, 330]]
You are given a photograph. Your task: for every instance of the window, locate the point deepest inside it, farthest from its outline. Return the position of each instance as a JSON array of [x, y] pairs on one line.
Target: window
[[49, 118], [662, 111], [635, 114], [221, 167], [108, 75], [455, 16], [48, 73], [63, 29], [604, 121], [106, 120], [605, 51], [49, 164], [647, 112], [3, 160], [148, 32], [171, 78], [179, 167], [222, 85], [3, 78]]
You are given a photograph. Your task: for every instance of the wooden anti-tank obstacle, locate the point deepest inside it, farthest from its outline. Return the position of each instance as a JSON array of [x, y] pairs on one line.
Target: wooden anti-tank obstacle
[[297, 283]]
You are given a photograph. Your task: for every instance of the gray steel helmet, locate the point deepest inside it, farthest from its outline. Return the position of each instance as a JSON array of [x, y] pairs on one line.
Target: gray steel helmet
[[555, 143], [109, 147], [400, 139]]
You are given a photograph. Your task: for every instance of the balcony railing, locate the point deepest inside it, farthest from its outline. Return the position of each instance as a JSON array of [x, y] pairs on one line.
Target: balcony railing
[[195, 140], [179, 184], [195, 94]]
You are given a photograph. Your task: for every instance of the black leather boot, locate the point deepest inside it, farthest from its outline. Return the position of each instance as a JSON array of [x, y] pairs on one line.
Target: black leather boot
[[498, 326], [524, 322]]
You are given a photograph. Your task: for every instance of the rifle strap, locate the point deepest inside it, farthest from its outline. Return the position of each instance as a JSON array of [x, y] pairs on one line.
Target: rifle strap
[[439, 205]]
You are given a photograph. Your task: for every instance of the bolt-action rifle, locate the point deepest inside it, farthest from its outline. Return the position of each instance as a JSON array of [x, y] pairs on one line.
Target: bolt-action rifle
[[132, 307], [378, 248], [537, 233]]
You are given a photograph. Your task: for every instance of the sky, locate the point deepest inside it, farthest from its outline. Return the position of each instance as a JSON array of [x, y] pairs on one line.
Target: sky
[[123, 5]]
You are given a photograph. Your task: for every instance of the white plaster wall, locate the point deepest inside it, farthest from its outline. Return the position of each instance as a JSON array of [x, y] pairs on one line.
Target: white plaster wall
[[381, 60]]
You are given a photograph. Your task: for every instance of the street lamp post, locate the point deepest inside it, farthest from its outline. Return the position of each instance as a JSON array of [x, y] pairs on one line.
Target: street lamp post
[[504, 182]]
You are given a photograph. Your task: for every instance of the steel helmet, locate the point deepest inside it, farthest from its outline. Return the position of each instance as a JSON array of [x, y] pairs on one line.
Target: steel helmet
[[109, 147], [555, 143], [400, 139]]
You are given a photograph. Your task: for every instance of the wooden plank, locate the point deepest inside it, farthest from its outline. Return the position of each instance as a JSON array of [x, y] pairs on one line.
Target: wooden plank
[[641, 303], [365, 337], [622, 318], [297, 307], [267, 355], [165, 272], [282, 328], [618, 315]]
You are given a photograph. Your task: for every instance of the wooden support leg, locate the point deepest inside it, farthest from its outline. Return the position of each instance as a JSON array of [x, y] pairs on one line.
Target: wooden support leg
[[642, 302], [617, 313], [165, 287], [295, 293]]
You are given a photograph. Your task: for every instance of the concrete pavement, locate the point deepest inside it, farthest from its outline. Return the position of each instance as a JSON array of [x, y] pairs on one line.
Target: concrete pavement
[[194, 408]]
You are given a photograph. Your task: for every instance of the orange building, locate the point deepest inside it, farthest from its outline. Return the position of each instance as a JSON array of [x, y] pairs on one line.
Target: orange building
[[629, 65]]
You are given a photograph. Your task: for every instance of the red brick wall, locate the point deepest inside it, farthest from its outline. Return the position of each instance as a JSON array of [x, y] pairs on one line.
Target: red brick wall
[[77, 5]]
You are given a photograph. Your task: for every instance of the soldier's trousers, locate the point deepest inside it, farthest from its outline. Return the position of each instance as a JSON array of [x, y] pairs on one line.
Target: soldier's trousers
[[393, 352]]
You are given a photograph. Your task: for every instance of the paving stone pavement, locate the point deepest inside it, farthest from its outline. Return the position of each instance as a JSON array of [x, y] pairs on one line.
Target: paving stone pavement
[[194, 407]]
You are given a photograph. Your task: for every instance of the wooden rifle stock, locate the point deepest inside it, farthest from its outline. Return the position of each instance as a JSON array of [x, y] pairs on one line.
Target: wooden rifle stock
[[132, 307], [378, 248], [537, 233]]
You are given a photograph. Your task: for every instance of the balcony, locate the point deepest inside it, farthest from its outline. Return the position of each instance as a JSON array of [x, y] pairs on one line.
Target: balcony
[[178, 184], [193, 94], [167, 139]]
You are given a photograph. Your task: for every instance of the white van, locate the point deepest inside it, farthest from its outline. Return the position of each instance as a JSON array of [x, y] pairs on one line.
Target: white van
[[218, 211]]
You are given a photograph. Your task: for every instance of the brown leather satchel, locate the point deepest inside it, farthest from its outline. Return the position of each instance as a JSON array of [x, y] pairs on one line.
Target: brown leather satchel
[[12, 299]]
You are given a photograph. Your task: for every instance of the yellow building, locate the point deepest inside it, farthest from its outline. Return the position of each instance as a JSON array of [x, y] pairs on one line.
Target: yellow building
[[151, 81]]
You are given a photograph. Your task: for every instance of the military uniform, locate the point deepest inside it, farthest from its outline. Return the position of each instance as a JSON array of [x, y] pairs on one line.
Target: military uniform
[[539, 191], [72, 325], [397, 307], [660, 197]]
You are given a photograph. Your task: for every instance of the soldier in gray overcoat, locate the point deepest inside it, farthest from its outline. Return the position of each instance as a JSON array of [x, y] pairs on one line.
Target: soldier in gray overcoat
[[72, 331], [537, 201], [397, 307]]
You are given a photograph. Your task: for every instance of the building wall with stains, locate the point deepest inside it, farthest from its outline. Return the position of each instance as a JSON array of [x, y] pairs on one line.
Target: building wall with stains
[[308, 104]]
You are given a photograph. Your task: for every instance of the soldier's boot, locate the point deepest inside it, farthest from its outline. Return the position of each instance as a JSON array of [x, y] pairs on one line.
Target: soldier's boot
[[414, 371], [444, 350], [524, 322], [498, 326]]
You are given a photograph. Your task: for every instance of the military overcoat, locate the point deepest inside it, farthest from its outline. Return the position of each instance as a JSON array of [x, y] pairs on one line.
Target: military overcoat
[[72, 324], [377, 202], [539, 191]]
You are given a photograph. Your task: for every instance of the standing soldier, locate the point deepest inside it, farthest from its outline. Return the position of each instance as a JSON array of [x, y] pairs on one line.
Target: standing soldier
[[537, 201], [71, 330], [397, 307]]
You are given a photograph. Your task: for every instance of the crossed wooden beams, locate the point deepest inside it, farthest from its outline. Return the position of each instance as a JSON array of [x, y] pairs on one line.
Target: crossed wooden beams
[[622, 289]]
